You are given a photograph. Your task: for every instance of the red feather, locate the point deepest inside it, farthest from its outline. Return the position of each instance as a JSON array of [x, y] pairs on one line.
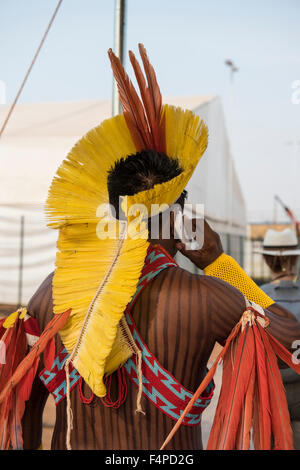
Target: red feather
[[16, 348], [244, 430], [49, 354], [262, 441], [283, 353], [15, 421], [151, 97], [152, 82], [215, 433], [280, 418], [240, 380], [4, 426], [132, 106], [21, 370], [25, 385], [12, 409]]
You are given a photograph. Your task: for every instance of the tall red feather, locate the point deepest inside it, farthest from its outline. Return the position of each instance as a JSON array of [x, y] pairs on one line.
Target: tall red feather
[[283, 353], [263, 439], [151, 97], [240, 380], [152, 82], [244, 430], [280, 418], [134, 113], [218, 422], [15, 421]]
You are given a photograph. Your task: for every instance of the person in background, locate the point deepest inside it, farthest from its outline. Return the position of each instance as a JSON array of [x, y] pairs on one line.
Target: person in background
[[281, 252]]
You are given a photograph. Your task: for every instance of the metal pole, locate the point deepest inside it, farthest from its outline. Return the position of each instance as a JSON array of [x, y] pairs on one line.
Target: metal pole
[[120, 14], [230, 170], [275, 211], [21, 262]]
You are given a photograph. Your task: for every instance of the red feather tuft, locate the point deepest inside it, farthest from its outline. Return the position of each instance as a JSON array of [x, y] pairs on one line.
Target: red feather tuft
[[252, 393], [57, 322], [12, 408], [20, 370]]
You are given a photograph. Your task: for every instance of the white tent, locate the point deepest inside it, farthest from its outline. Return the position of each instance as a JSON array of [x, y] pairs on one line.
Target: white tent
[[36, 140]]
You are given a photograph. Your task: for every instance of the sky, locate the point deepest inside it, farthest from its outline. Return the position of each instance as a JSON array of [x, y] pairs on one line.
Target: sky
[[188, 42]]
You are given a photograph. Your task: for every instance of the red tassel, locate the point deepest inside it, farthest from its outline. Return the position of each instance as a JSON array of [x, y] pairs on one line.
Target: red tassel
[[244, 430], [252, 394], [29, 361]]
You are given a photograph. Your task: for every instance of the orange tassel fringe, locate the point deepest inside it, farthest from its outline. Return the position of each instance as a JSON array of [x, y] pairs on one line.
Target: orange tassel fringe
[[252, 397]]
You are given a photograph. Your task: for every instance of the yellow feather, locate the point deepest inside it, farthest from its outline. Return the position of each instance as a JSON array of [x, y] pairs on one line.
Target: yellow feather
[[11, 319]]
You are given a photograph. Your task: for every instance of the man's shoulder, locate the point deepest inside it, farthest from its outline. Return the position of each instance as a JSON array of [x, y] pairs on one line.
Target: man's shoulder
[[190, 280], [40, 305]]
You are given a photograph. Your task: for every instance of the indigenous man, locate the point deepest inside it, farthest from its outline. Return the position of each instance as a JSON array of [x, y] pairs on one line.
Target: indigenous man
[[134, 318], [281, 253]]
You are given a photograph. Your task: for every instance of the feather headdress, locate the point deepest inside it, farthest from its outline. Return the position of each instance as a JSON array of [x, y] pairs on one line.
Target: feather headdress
[[96, 278]]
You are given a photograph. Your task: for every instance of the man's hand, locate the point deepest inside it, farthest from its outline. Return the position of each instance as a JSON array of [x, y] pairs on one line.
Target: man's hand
[[210, 251]]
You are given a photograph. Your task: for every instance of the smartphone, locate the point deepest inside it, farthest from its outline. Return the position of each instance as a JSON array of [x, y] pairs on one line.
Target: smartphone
[[184, 232]]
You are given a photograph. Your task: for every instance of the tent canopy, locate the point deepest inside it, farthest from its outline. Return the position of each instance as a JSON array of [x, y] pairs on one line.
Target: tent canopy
[[36, 140]]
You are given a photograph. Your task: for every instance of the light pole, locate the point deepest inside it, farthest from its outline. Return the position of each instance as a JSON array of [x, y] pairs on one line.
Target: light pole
[[233, 69], [295, 145], [120, 14]]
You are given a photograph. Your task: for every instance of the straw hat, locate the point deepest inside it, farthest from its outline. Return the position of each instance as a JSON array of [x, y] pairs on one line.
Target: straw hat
[[280, 243]]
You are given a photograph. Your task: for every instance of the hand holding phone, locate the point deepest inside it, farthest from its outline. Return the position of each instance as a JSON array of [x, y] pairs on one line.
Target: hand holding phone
[[188, 231], [209, 250]]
